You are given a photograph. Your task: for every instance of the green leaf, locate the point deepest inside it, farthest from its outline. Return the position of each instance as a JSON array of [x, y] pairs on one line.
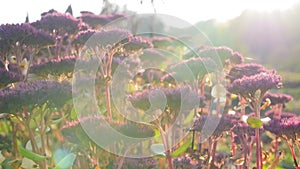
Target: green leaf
[[56, 121], [186, 144], [31, 155], [66, 162], [158, 149], [254, 122], [189, 118]]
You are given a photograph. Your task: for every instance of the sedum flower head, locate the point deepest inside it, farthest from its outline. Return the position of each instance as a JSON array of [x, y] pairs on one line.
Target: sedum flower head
[[248, 69], [277, 98], [183, 98], [15, 35], [58, 23], [127, 128], [225, 123], [248, 85], [54, 66], [7, 77], [136, 43], [108, 38], [183, 162], [221, 55], [98, 21], [198, 67], [83, 36], [131, 163], [33, 94], [274, 114], [287, 128]]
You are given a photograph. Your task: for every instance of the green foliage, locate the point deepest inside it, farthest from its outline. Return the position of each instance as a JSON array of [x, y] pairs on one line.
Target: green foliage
[[254, 122]]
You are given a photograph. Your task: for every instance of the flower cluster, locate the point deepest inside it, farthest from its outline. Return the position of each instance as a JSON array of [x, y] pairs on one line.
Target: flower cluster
[[127, 128], [108, 38], [177, 99], [83, 36], [274, 114], [153, 57], [247, 69], [131, 163], [220, 55], [277, 98], [7, 77], [287, 128], [98, 21], [198, 67], [248, 85], [163, 42], [54, 66], [17, 35], [58, 24], [183, 162], [34, 94], [136, 43], [221, 124]]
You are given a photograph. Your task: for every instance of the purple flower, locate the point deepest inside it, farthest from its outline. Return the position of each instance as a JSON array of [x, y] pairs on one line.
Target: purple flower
[[225, 123], [7, 77], [183, 162], [273, 114], [15, 35], [108, 38], [287, 128], [58, 23], [153, 57], [83, 36], [220, 55], [136, 43], [240, 70], [277, 98], [248, 85], [184, 99], [33, 94], [132, 163], [198, 67], [163, 42], [98, 21], [54, 66], [127, 128]]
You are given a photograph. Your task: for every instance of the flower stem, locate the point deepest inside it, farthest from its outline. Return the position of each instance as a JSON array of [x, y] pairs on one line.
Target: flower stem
[[294, 155], [258, 139], [108, 103]]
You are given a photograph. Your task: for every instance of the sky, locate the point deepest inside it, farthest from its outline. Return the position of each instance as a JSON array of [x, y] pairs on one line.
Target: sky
[[192, 11]]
